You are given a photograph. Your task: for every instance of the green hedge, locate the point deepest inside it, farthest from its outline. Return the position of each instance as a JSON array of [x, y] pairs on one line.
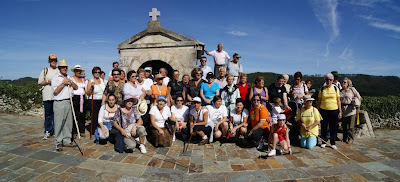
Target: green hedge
[[385, 107], [29, 95]]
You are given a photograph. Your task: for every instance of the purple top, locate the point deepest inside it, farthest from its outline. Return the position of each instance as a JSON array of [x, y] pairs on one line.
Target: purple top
[[262, 94]]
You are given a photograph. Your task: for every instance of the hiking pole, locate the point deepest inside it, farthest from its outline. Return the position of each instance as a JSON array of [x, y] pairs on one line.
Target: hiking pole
[[91, 117], [329, 144], [76, 122]]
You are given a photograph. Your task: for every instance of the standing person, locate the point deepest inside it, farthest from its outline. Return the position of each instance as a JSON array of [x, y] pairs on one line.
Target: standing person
[[234, 68], [159, 89], [350, 101], [185, 82], [103, 77], [229, 94], [115, 65], [199, 121], [175, 87], [219, 58], [308, 83], [106, 118], [115, 87], [218, 115], [222, 78], [244, 89], [285, 81], [164, 73], [95, 89], [205, 69], [209, 90], [44, 80], [281, 134], [259, 127], [308, 118], [159, 115], [194, 84], [278, 89], [127, 120], [238, 119], [149, 72], [79, 100], [330, 108], [260, 89], [336, 81], [132, 89], [298, 90], [63, 88]]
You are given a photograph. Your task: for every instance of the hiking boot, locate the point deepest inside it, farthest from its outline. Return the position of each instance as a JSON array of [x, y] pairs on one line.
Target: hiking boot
[[203, 142], [334, 147], [323, 145], [46, 135], [142, 149], [272, 153]]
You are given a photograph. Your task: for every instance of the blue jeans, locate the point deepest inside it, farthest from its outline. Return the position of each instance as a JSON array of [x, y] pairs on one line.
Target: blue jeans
[[48, 116], [108, 125], [329, 118], [308, 142]]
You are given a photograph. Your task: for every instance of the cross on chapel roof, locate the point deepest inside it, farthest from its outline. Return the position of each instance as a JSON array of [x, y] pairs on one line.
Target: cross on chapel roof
[[154, 13]]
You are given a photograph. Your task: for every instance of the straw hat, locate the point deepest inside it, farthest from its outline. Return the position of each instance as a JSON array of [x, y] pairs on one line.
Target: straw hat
[[158, 76], [77, 67], [142, 107], [307, 98], [62, 62]]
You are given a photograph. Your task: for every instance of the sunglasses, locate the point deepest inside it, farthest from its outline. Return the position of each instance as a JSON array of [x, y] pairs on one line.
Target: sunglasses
[[344, 82], [179, 100], [53, 60], [116, 74], [297, 79], [199, 73], [133, 76], [97, 72], [328, 79]]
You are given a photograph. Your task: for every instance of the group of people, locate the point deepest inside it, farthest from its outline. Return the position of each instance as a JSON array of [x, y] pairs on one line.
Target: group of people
[[206, 106]]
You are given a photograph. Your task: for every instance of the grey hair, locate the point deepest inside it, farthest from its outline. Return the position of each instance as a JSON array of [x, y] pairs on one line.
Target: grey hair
[[329, 75], [222, 68], [286, 76]]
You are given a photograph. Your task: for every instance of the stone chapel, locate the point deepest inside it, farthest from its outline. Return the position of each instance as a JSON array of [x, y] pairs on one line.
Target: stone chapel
[[159, 47]]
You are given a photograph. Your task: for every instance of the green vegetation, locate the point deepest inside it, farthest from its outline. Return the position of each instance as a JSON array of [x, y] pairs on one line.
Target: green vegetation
[[385, 107], [28, 94]]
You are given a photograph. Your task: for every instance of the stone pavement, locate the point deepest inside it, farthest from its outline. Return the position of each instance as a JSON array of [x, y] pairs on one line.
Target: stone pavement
[[24, 156]]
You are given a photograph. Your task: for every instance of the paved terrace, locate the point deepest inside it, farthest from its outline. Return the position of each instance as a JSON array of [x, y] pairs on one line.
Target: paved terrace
[[24, 156]]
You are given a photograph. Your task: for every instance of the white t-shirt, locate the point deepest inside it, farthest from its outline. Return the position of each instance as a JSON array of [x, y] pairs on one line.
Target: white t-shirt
[[166, 80], [81, 88], [147, 83], [105, 116], [47, 91], [219, 57], [194, 113], [216, 115], [237, 120], [276, 110], [180, 114], [132, 91], [160, 119], [98, 90]]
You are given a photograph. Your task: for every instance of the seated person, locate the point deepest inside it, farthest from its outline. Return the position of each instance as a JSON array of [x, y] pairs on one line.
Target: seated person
[[198, 121]]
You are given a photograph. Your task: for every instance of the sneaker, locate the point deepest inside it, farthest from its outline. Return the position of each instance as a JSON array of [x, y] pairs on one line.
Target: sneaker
[[281, 150], [142, 149], [203, 142], [260, 145], [334, 147], [272, 153], [46, 135], [58, 148], [323, 145]]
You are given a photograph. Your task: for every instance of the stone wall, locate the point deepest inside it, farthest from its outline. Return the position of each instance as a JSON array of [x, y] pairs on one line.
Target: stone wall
[[9, 105]]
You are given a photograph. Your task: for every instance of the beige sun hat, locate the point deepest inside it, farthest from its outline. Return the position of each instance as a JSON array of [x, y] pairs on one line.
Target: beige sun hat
[[142, 107], [62, 62], [307, 98], [77, 67]]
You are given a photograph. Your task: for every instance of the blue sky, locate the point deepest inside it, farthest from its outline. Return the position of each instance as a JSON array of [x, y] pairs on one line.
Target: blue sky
[[312, 36]]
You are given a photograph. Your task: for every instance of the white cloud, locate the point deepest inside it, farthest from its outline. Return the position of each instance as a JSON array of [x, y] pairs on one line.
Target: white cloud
[[327, 15], [385, 26], [367, 3], [346, 54], [395, 36], [238, 33], [371, 18]]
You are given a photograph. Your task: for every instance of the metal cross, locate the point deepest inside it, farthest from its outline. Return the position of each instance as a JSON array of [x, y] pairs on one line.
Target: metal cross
[[153, 14]]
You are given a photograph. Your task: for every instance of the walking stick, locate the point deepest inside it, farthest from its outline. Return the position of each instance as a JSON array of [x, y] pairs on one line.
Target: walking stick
[[76, 123], [329, 145], [91, 118], [190, 137]]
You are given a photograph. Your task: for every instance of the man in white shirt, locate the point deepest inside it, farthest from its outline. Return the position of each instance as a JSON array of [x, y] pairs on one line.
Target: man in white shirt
[[63, 88], [222, 78], [219, 58], [45, 81], [234, 68], [164, 72], [206, 69]]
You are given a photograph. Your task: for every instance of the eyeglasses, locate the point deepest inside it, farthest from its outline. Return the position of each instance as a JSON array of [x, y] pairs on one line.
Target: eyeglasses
[[96, 72], [148, 71], [179, 100], [116, 74]]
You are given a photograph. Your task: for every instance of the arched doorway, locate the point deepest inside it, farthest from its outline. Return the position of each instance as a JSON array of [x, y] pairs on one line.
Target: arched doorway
[[157, 64]]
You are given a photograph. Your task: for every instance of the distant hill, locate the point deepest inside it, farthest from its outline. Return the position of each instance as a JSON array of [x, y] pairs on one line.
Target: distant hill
[[367, 85]]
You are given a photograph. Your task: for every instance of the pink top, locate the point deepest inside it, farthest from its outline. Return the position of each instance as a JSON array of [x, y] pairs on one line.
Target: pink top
[[219, 57]]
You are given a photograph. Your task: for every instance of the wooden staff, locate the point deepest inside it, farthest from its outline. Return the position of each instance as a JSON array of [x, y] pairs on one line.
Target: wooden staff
[[76, 123], [329, 144]]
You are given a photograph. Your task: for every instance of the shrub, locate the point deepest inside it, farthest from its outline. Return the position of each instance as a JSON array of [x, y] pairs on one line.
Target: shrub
[[385, 107], [28, 95]]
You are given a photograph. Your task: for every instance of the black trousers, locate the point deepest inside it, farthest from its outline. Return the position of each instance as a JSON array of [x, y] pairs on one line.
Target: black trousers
[[80, 116]]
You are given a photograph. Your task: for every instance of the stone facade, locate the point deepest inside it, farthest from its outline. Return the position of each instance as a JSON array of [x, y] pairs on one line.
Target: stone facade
[[159, 47]]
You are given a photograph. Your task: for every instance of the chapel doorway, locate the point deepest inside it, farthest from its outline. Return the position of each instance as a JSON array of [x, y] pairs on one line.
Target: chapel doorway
[[157, 64]]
